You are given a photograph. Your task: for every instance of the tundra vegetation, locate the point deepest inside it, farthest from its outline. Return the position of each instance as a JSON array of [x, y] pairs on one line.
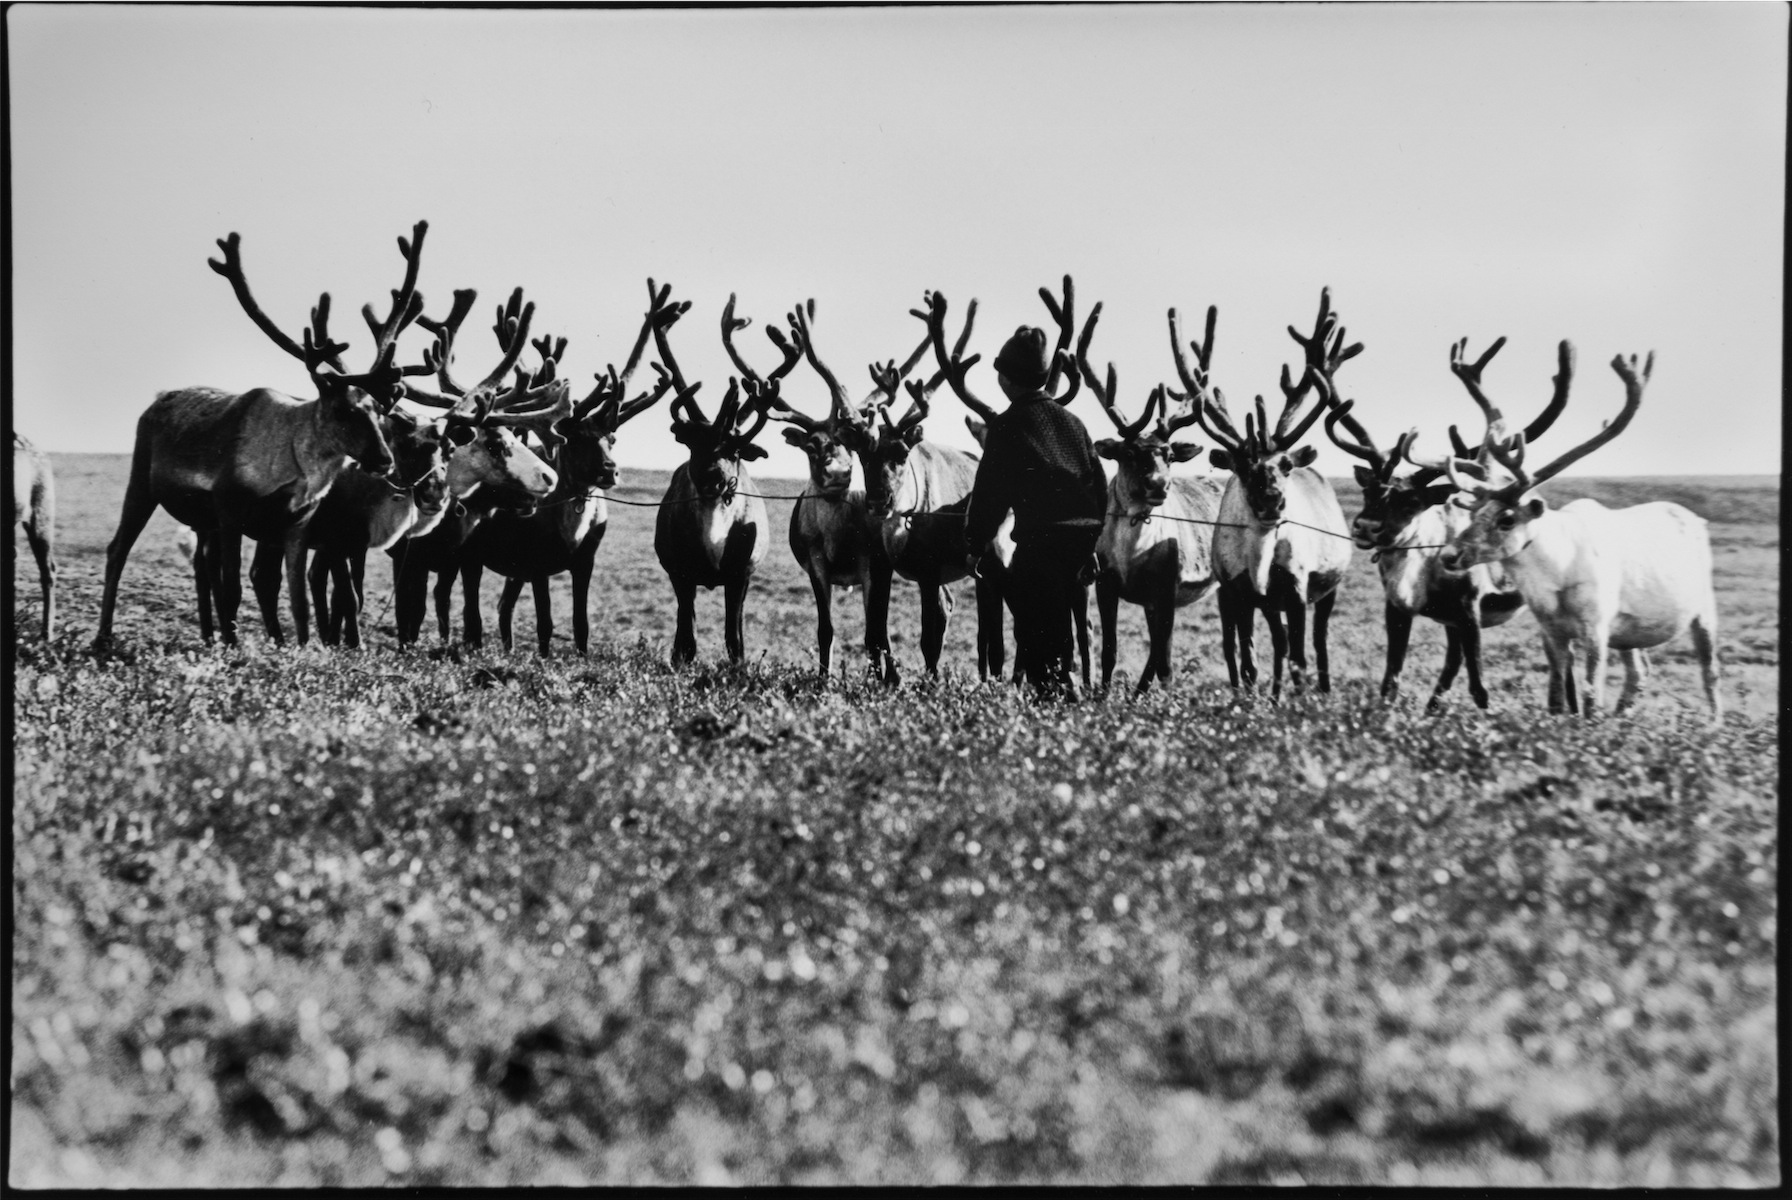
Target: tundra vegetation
[[306, 916]]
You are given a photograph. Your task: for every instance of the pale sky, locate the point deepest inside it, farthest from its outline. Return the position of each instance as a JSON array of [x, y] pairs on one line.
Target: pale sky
[[1609, 173]]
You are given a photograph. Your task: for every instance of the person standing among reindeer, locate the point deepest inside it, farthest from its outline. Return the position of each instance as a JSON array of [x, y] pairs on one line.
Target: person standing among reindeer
[[1038, 462]]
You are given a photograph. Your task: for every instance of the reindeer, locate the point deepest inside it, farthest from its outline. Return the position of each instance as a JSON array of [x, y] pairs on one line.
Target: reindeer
[[259, 463], [33, 501], [565, 532], [1594, 577], [1280, 544], [1405, 521], [359, 511], [1156, 546], [918, 493], [490, 468], [711, 527], [831, 536]]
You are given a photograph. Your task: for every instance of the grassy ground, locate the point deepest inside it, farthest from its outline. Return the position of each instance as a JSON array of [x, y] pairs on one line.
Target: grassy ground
[[306, 917]]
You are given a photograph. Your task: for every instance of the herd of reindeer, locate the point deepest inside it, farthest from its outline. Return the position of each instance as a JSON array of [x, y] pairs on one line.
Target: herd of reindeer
[[509, 474]]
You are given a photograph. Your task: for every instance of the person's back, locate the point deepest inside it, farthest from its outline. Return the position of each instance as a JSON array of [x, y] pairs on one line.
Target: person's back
[[1038, 462]]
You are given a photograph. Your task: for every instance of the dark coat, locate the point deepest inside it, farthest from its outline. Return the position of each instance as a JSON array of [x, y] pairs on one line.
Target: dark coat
[[1039, 462]]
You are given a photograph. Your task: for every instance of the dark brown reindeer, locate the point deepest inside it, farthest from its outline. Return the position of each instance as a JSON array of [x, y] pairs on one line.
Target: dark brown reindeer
[[1281, 542], [1406, 521], [33, 501], [259, 462], [564, 534], [489, 469], [1156, 545], [711, 528], [831, 533], [928, 470]]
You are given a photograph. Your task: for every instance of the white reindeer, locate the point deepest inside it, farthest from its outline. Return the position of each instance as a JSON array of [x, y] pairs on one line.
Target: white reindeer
[[1281, 542], [1406, 521], [1156, 546], [1629, 578], [33, 500]]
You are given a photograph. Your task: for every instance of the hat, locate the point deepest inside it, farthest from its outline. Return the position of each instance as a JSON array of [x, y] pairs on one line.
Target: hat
[[1022, 360]]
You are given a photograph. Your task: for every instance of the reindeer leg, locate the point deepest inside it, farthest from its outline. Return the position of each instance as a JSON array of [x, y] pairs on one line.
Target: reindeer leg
[[138, 507], [513, 588], [410, 596], [1297, 641], [1452, 663], [227, 580], [1158, 634], [734, 609], [443, 593], [1558, 690], [684, 638], [265, 568], [39, 537], [295, 583], [357, 580], [582, 565], [1278, 641], [345, 618], [203, 552], [1598, 663], [1399, 627], [1633, 679], [317, 576], [1470, 634], [1107, 606], [824, 614], [1704, 644], [472, 620], [933, 626], [1228, 635], [1568, 684], [544, 614], [1080, 613], [881, 663], [1322, 624]]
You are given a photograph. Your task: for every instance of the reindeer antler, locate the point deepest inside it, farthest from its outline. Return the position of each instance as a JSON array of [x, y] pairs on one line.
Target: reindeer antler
[[1107, 396], [662, 316], [952, 369], [407, 301], [1325, 352], [1064, 315]]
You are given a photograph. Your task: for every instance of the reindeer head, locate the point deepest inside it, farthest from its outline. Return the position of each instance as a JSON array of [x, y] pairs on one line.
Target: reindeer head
[[1259, 459], [1502, 517], [481, 419], [420, 451], [718, 448], [887, 463], [349, 405]]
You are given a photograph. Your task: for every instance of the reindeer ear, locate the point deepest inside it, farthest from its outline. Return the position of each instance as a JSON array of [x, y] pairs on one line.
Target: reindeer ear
[[681, 430], [1534, 508], [1220, 459], [1109, 448], [1303, 456], [912, 437], [749, 452], [1184, 452], [1367, 478], [795, 436]]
